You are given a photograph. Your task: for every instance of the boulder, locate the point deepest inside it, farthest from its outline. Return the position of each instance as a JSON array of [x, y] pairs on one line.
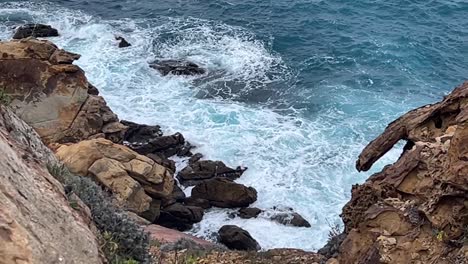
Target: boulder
[[177, 67], [123, 43], [203, 203], [223, 192], [164, 146], [236, 238], [249, 212], [291, 218], [35, 30], [202, 170], [130, 176], [153, 212], [140, 133], [179, 216], [52, 95]]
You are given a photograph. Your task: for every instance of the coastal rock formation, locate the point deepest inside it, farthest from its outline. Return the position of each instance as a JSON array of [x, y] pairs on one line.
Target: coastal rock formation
[[52, 95], [166, 236], [291, 218], [180, 216], [202, 170], [249, 212], [37, 222], [133, 178], [123, 43], [415, 210], [237, 238], [223, 192], [177, 67], [35, 30]]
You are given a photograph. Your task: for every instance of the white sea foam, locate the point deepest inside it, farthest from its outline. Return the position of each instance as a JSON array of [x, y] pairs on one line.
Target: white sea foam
[[303, 163]]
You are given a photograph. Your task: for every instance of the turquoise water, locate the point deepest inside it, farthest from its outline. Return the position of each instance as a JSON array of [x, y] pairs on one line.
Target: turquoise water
[[296, 88]]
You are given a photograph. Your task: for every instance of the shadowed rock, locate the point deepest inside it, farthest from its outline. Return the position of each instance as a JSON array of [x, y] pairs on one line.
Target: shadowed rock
[[177, 67], [237, 238], [179, 216], [202, 170], [35, 30], [249, 212], [123, 42], [223, 192]]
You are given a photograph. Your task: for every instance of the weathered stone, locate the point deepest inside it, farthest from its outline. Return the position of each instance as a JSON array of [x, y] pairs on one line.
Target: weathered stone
[[202, 170], [222, 192], [37, 224], [203, 203], [180, 217], [177, 67], [237, 238], [35, 30], [293, 219], [249, 212]]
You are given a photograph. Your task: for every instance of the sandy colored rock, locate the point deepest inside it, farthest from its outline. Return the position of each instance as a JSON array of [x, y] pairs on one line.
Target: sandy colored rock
[[51, 94], [37, 224], [415, 210], [130, 176]]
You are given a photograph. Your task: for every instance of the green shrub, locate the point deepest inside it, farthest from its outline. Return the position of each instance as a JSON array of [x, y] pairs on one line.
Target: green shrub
[[123, 241], [5, 99]]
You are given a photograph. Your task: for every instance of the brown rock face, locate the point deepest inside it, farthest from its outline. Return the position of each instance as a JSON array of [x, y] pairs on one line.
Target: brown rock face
[[37, 224], [133, 178], [415, 210], [51, 94]]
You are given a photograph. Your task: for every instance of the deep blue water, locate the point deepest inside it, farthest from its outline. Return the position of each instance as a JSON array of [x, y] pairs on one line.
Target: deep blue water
[[296, 88]]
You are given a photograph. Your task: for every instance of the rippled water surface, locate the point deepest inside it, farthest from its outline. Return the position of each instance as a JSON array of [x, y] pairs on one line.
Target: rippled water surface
[[295, 91]]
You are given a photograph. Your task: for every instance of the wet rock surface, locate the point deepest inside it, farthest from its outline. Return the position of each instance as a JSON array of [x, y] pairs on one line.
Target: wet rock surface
[[177, 67], [35, 30], [179, 216], [202, 170], [123, 43]]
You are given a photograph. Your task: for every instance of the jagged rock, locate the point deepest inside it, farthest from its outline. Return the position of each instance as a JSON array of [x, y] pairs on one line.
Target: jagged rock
[[237, 238], [179, 216], [178, 194], [203, 203], [37, 223], [130, 176], [249, 212], [223, 192], [290, 218], [413, 211], [140, 133], [202, 170], [35, 30], [51, 94], [153, 212], [123, 43], [163, 145], [196, 157], [162, 160], [177, 67]]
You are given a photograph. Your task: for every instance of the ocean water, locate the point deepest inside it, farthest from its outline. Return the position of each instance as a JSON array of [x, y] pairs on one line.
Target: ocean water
[[295, 90]]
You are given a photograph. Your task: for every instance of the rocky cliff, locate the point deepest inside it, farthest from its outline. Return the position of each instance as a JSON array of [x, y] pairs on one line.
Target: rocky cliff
[[413, 211]]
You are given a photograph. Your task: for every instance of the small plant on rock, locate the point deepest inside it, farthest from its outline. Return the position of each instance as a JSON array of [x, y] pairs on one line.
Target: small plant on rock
[[5, 99]]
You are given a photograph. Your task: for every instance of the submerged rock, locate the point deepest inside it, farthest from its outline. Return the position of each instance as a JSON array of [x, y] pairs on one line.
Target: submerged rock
[[177, 67], [249, 212], [35, 30], [202, 170], [223, 192], [293, 219], [237, 238], [123, 42]]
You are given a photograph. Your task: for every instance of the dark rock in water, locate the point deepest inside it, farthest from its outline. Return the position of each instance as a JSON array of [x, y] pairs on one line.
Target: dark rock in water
[[249, 212], [196, 157], [164, 145], [138, 133], [236, 238], [202, 170], [177, 67], [35, 30], [291, 218], [179, 216], [223, 192], [331, 249], [123, 42], [153, 212], [203, 203]]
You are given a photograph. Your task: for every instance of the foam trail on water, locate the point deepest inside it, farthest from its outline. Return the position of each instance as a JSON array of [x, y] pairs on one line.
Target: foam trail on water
[[294, 161]]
